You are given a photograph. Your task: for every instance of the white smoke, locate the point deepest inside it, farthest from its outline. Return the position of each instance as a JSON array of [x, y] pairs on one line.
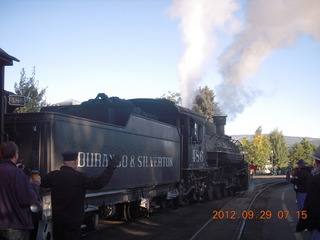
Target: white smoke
[[269, 25], [199, 21]]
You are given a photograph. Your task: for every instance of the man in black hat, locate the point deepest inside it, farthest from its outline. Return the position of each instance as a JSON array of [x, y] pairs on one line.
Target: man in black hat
[[312, 205], [68, 188], [300, 181]]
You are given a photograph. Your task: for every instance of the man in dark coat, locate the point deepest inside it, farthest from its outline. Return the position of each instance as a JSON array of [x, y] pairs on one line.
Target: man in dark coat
[[300, 181], [17, 194], [312, 205], [68, 188]]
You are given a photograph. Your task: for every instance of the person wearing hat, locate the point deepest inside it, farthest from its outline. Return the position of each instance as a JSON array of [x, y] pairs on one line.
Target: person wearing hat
[[312, 203], [300, 181], [68, 188]]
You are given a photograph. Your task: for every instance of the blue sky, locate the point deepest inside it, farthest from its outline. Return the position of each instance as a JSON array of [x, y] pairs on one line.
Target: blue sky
[[134, 49]]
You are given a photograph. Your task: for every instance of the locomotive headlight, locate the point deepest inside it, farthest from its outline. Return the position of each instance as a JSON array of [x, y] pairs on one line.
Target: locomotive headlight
[[46, 205]]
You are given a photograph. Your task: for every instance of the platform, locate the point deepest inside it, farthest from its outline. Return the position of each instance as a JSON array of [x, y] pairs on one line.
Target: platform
[[281, 200], [278, 201]]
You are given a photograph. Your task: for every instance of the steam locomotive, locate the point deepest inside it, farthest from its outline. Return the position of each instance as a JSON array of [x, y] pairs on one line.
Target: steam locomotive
[[170, 155]]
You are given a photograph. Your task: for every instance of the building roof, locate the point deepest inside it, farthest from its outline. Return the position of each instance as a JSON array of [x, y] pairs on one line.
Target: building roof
[[6, 59]]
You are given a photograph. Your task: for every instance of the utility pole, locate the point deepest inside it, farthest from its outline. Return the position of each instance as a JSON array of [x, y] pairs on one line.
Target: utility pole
[[5, 60]]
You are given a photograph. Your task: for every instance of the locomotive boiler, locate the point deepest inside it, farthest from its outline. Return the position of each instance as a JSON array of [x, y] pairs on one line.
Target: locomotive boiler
[[170, 156]]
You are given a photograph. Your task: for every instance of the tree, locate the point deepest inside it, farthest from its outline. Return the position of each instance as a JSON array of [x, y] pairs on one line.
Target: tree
[[308, 149], [296, 153], [28, 87], [205, 104], [261, 149], [258, 150], [174, 97], [280, 151], [258, 131], [301, 150], [247, 147]]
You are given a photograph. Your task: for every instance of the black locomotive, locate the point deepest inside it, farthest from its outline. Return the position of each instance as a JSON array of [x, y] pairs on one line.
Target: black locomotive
[[170, 154]]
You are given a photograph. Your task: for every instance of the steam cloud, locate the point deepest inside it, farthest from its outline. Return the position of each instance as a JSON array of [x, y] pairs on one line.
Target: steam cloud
[[199, 20], [269, 25]]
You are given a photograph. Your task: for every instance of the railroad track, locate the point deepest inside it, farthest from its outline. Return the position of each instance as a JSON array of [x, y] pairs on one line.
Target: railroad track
[[229, 222], [189, 222]]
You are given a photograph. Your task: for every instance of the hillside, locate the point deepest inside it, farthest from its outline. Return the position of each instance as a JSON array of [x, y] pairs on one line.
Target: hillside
[[289, 140]]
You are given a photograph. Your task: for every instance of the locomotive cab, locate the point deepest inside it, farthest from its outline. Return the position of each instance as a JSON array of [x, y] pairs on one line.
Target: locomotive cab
[[193, 143]]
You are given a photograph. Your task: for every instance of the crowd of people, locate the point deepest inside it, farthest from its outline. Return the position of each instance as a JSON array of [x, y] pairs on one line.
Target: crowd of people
[[306, 182]]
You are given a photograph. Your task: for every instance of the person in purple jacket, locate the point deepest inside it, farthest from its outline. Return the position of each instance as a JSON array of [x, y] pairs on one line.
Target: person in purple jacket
[[17, 194]]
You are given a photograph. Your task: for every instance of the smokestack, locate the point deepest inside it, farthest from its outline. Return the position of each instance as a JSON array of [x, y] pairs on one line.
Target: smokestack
[[220, 122]]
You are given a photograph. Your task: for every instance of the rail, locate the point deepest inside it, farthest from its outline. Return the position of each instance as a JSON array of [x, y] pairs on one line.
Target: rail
[[241, 203]]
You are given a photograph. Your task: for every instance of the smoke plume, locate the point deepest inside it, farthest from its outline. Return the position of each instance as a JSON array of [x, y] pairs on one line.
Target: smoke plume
[[199, 20], [268, 25]]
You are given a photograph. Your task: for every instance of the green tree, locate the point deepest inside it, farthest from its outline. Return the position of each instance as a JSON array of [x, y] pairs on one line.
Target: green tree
[[300, 151], [174, 97], [247, 148], [280, 151], [258, 131], [205, 104], [308, 149], [258, 150], [296, 153], [28, 87]]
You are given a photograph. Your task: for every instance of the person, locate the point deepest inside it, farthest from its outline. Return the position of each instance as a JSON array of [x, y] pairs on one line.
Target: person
[[68, 187], [312, 206], [252, 169], [288, 173], [279, 171], [300, 181], [17, 194]]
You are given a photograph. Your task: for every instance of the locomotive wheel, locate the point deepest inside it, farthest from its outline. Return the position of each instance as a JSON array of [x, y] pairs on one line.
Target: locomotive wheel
[[184, 200], [131, 211], [164, 204], [172, 203], [108, 211], [91, 222], [217, 191], [126, 212], [209, 192], [231, 191], [195, 197], [245, 182], [175, 203], [224, 191]]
